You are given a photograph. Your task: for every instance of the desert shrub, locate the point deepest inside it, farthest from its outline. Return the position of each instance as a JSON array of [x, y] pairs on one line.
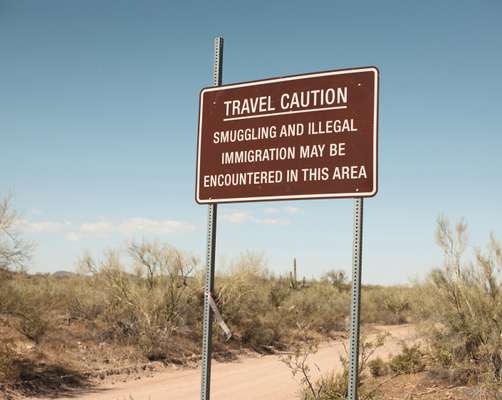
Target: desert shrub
[[333, 386], [387, 305], [461, 307], [378, 367], [280, 290], [326, 387], [337, 278], [33, 326], [149, 307], [86, 303], [322, 307], [19, 299], [243, 295], [8, 370], [29, 304], [330, 386], [409, 361], [15, 252]]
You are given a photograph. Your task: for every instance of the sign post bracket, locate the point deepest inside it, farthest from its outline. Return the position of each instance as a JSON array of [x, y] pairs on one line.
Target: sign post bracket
[[210, 256]]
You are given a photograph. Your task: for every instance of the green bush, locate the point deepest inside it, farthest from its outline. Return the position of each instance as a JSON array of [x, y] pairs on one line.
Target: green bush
[[409, 361], [322, 307], [328, 387], [15, 252], [147, 308], [386, 305], [378, 367], [244, 296], [8, 370], [461, 307], [29, 304], [86, 303]]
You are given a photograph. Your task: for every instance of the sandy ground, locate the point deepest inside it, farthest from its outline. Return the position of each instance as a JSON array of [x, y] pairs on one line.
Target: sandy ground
[[264, 378]]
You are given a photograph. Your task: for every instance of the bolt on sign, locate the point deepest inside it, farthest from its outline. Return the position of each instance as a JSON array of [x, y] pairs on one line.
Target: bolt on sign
[[297, 137]]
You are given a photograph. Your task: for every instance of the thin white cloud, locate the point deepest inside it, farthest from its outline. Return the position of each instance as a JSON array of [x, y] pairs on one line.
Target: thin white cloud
[[42, 226], [237, 217], [134, 226], [293, 210], [99, 227], [104, 228], [153, 226], [271, 221], [287, 210], [72, 236]]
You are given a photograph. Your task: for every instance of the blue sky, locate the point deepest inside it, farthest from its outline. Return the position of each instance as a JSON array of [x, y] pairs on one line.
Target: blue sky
[[98, 120]]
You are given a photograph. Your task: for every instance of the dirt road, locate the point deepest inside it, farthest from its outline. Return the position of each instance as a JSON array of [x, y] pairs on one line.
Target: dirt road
[[264, 378]]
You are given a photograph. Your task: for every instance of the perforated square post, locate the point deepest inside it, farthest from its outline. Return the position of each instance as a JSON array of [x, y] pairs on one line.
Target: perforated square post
[[210, 255], [356, 299]]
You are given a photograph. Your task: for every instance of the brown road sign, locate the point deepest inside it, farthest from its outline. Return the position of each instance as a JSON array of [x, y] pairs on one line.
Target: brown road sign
[[297, 137]]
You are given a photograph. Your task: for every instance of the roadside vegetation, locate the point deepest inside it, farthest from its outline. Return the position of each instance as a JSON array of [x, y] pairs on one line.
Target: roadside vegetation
[[461, 311], [458, 312], [149, 304], [144, 305]]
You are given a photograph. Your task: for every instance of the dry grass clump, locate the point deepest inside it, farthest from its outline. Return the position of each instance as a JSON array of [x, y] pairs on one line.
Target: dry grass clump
[[324, 308], [331, 385], [15, 252], [146, 308], [266, 311], [387, 305], [461, 308], [410, 361], [243, 295], [334, 386], [26, 305], [326, 387], [378, 367], [8, 357]]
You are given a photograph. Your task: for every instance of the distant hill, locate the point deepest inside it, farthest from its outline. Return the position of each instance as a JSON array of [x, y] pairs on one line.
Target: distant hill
[[63, 274]]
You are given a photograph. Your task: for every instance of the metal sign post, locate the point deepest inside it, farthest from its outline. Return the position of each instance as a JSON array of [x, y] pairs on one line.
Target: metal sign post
[[356, 299], [211, 249], [289, 138]]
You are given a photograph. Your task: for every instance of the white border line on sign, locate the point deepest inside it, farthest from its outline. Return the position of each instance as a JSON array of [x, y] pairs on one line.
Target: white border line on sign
[[284, 113], [289, 78]]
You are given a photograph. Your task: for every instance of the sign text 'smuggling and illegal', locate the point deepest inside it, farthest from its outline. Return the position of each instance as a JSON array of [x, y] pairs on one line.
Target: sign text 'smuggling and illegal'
[[298, 137]]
